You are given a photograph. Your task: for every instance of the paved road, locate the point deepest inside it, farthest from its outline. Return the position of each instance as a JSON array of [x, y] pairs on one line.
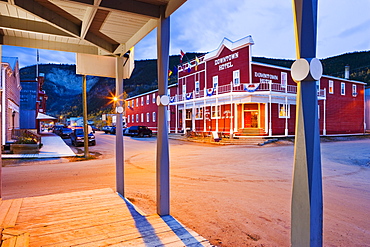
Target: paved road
[[237, 195]]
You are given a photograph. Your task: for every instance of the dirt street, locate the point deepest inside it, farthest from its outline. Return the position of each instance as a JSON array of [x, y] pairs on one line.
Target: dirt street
[[231, 195]]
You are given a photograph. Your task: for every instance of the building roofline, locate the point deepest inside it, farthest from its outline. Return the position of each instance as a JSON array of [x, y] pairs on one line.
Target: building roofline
[[326, 76], [153, 91], [232, 45]]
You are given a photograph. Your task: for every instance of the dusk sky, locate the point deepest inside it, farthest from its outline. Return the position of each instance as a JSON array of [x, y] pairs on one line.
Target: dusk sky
[[200, 26]]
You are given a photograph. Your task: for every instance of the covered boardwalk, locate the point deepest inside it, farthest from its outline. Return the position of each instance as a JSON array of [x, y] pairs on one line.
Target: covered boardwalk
[[103, 34], [88, 218]]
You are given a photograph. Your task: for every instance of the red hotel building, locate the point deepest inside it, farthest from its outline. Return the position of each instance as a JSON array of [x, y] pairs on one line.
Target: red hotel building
[[226, 91]]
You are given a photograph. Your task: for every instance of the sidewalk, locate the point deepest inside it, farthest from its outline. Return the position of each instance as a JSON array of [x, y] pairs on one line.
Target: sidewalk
[[53, 147]]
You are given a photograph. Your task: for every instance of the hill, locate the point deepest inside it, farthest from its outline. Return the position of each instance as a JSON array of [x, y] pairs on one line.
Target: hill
[[64, 87]]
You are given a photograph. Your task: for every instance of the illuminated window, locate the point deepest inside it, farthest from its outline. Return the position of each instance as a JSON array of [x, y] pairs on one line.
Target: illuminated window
[[137, 118], [188, 114], [147, 99], [154, 117], [142, 101], [147, 117], [133, 119], [128, 118], [284, 111], [137, 102], [142, 117], [153, 101], [214, 113], [199, 113], [331, 87]]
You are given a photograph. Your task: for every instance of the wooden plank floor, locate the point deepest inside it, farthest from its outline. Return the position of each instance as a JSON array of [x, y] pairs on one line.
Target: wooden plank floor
[[90, 218]]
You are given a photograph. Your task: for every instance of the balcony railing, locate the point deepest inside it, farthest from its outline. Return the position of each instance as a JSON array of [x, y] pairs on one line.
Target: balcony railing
[[247, 88]]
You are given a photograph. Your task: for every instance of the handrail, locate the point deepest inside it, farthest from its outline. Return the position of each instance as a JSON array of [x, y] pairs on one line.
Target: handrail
[[271, 87]]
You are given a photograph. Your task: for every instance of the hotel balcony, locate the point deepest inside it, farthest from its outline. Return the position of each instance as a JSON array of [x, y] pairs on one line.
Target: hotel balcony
[[246, 89]]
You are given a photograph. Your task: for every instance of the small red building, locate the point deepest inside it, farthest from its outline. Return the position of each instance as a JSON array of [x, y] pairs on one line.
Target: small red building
[[225, 91]]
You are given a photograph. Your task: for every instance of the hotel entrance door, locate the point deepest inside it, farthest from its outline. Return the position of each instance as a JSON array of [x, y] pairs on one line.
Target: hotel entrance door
[[250, 116], [251, 119]]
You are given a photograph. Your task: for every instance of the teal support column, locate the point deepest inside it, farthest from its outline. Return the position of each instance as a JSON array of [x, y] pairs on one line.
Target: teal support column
[[163, 160], [307, 198]]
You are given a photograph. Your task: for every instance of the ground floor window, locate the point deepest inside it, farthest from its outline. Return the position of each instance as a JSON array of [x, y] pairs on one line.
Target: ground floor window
[[154, 117], [147, 117], [128, 119], [188, 114], [215, 112], [199, 113], [284, 111]]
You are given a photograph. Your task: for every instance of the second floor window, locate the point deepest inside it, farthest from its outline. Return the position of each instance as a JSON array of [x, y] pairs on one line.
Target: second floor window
[[342, 88], [236, 78], [331, 87]]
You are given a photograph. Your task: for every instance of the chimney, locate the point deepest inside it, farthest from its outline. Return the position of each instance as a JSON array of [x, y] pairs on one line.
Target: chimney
[[346, 72]]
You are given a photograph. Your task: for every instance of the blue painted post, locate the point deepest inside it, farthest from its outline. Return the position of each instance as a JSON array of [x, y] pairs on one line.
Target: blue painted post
[[163, 159], [307, 201]]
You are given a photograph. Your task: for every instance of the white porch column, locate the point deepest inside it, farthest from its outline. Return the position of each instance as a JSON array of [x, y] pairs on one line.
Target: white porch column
[[286, 110], [119, 135], [193, 113], [163, 159]]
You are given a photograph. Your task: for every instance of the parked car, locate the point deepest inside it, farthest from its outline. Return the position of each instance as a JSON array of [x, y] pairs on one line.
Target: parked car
[[107, 129], [77, 137], [140, 131], [113, 130], [94, 128], [57, 128], [65, 132]]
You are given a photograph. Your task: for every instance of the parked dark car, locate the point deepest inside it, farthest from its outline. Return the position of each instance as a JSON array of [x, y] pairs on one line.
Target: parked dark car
[[94, 128], [57, 128], [65, 132], [113, 130], [77, 137], [106, 129], [140, 131]]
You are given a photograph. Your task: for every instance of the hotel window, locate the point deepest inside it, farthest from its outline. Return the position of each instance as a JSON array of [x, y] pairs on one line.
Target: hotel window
[[147, 99], [215, 84], [184, 90], [137, 102], [133, 120], [318, 86], [153, 98], [137, 118], [128, 118], [154, 117], [331, 87], [142, 101], [128, 104], [236, 78], [197, 88], [284, 79], [284, 112], [215, 114], [354, 90], [199, 113], [142, 117], [133, 103], [147, 117], [188, 114], [342, 88]]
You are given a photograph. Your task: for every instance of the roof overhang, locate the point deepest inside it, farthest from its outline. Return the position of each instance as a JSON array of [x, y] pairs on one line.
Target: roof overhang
[[42, 116], [100, 27]]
